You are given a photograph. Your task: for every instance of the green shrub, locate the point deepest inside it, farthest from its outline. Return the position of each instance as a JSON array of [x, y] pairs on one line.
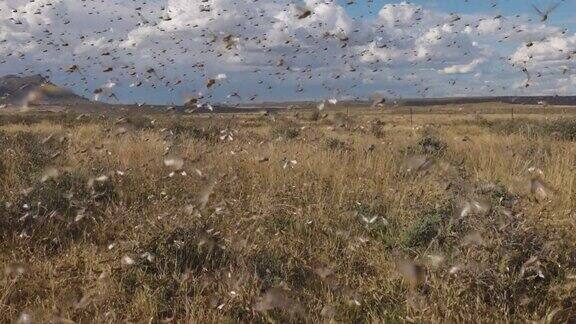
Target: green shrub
[[60, 210], [431, 145], [426, 228], [285, 131], [209, 133], [37, 154], [184, 249], [561, 129], [336, 145], [377, 129]]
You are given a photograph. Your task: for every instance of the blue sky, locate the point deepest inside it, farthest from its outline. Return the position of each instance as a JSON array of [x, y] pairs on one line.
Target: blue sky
[[414, 48], [563, 16], [565, 13]]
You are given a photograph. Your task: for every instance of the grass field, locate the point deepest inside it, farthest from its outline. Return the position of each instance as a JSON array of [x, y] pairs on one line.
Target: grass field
[[468, 215]]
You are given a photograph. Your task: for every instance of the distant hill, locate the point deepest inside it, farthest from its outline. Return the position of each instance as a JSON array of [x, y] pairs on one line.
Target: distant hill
[[38, 91], [35, 90], [421, 102], [519, 100]]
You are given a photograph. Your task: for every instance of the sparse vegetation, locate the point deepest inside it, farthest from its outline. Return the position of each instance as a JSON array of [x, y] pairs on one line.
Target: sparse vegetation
[[426, 228], [377, 128], [564, 129], [261, 219], [336, 145], [285, 131]]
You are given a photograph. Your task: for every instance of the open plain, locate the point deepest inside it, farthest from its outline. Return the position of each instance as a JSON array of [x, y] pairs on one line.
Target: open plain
[[458, 214]]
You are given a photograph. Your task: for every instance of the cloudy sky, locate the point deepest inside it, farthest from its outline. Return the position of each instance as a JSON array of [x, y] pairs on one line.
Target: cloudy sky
[[169, 51]]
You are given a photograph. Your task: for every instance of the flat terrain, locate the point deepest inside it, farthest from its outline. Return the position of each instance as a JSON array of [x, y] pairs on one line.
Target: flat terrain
[[456, 213]]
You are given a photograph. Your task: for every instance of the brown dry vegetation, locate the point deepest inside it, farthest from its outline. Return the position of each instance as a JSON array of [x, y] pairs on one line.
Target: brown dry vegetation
[[295, 217]]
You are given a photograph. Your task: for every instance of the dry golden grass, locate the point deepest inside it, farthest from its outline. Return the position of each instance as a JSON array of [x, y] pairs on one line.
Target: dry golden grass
[[289, 218]]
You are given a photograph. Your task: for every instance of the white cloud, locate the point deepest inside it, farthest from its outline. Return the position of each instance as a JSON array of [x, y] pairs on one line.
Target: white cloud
[[462, 68], [400, 15], [266, 52], [554, 50], [488, 26]]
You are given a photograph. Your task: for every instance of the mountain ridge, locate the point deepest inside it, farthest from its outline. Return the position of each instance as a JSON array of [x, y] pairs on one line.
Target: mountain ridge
[[35, 90]]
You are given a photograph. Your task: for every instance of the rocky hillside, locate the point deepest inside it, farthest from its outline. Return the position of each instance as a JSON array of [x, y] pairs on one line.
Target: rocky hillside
[[34, 90]]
